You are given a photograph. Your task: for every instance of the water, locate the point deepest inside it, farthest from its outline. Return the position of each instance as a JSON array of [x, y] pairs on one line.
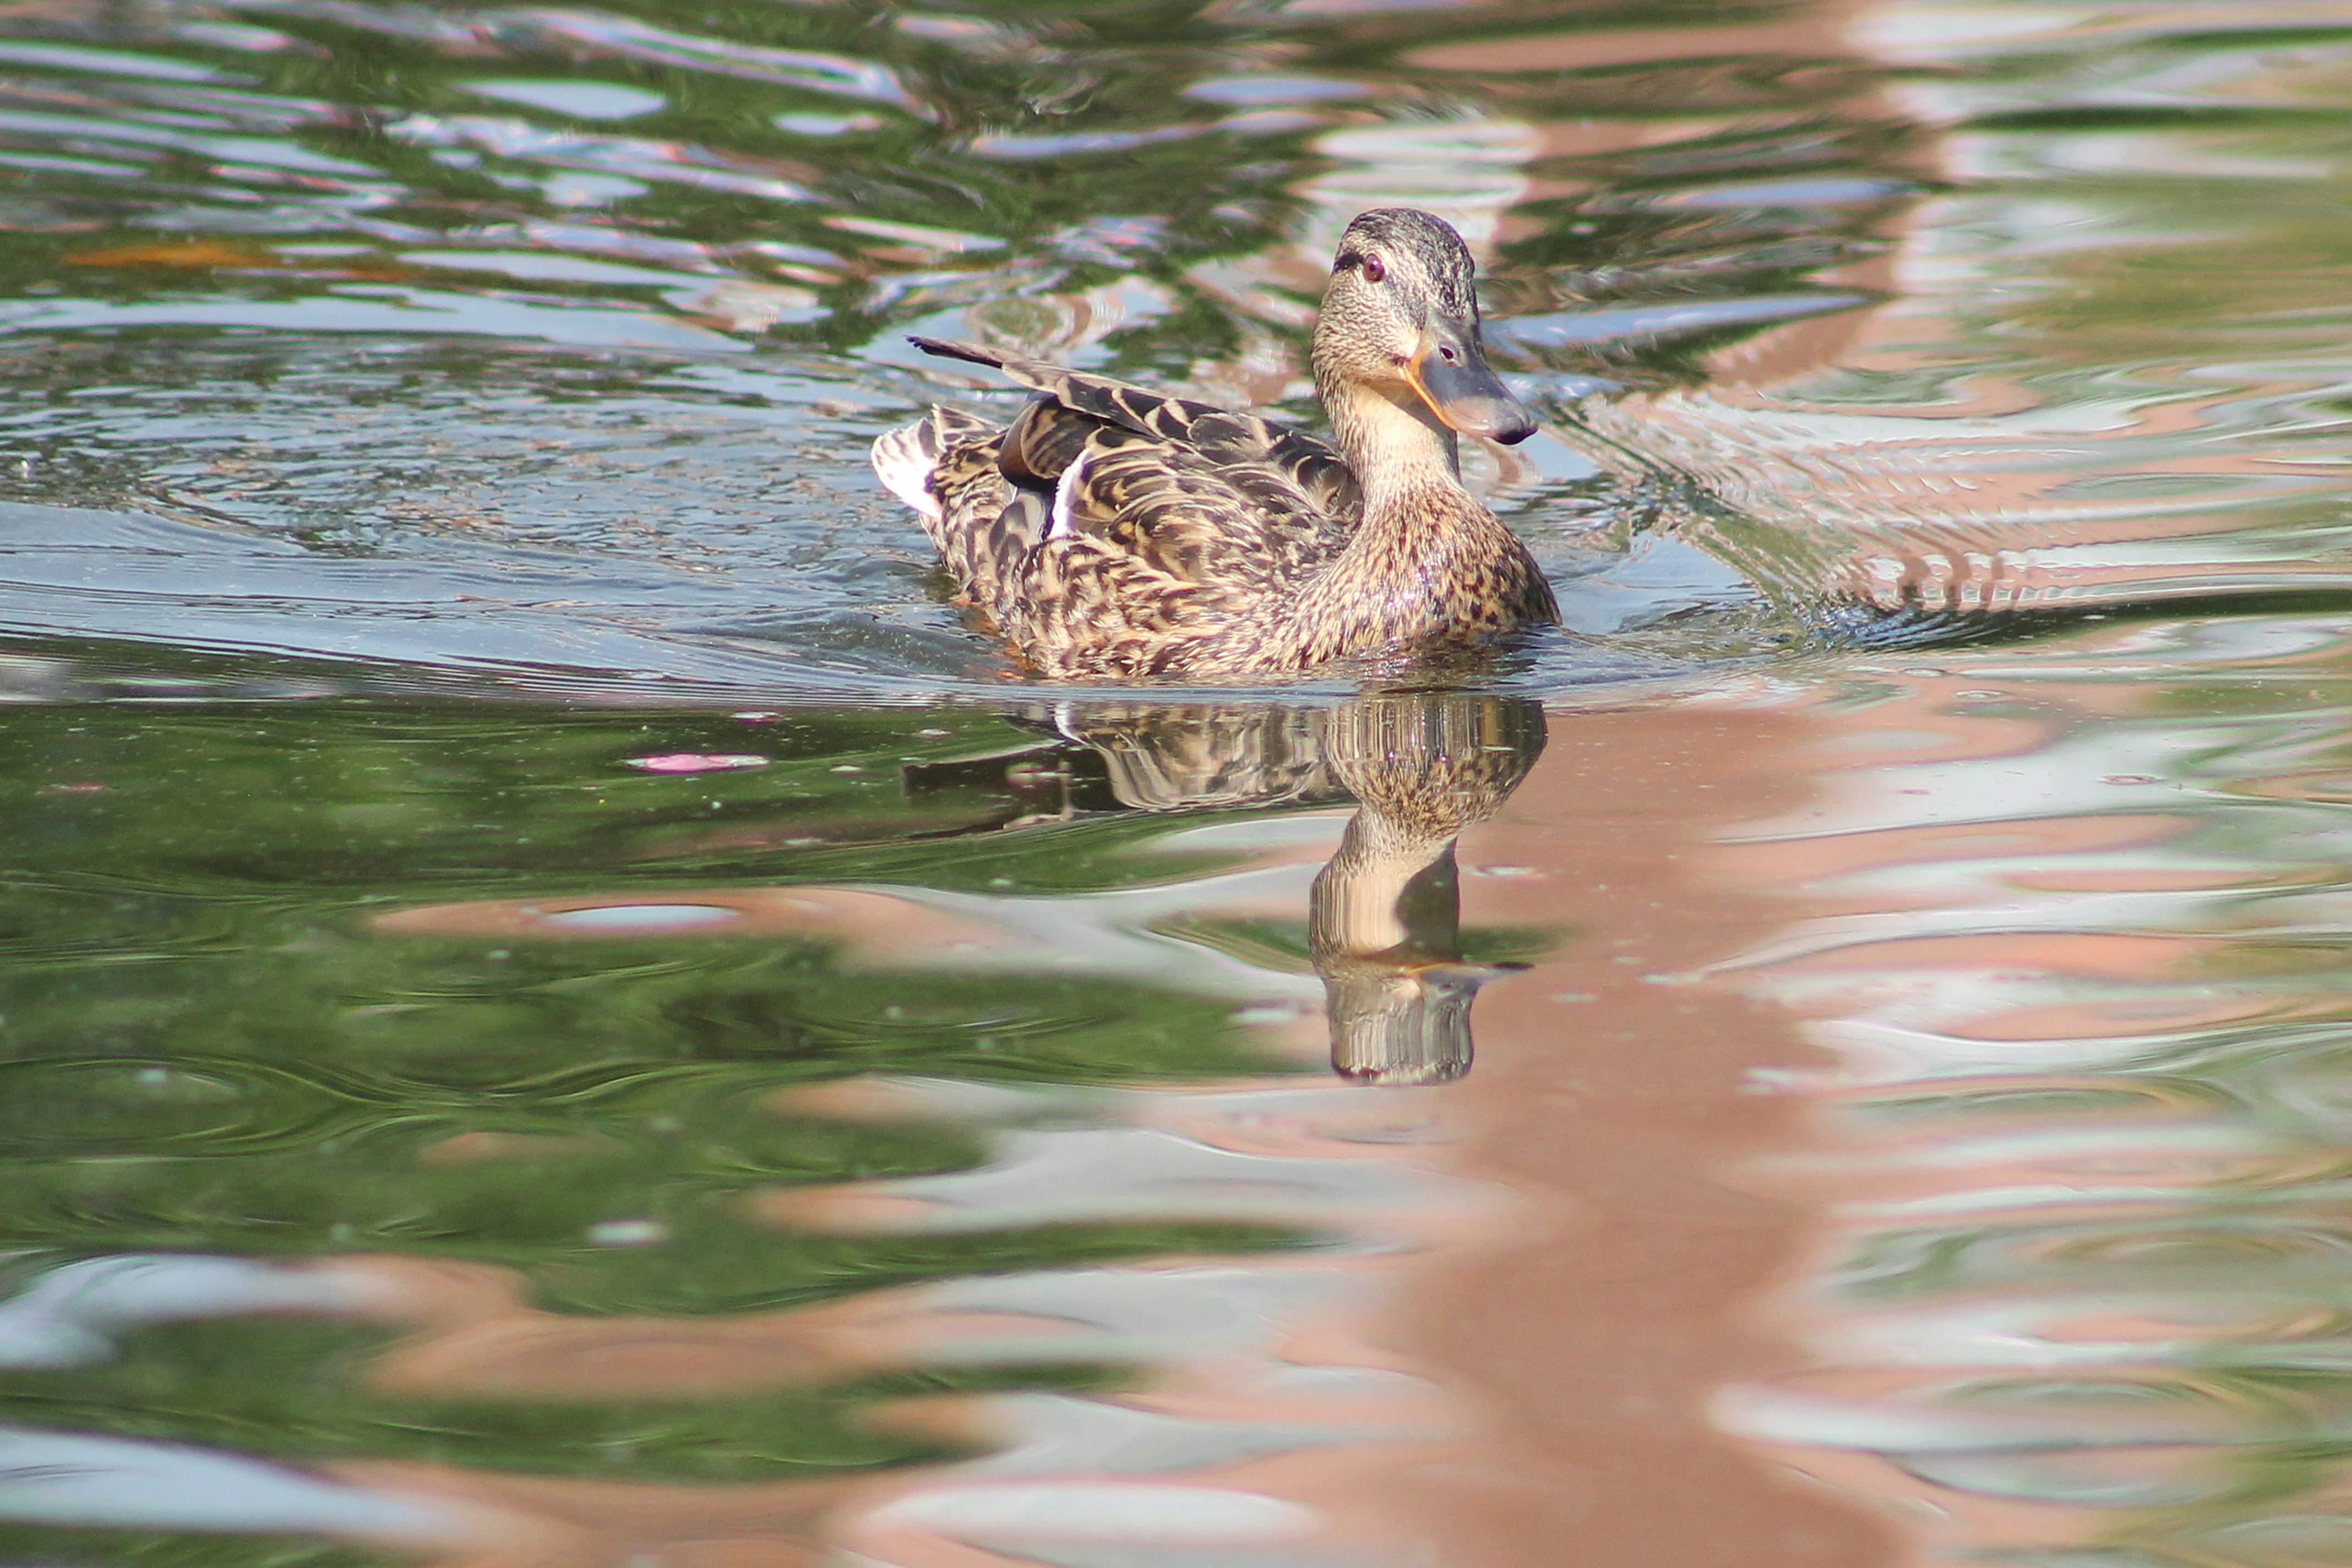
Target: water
[[563, 1010]]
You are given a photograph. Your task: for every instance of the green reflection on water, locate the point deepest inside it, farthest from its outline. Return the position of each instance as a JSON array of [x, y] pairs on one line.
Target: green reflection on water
[[193, 961], [140, 1548], [207, 1045], [296, 1389]]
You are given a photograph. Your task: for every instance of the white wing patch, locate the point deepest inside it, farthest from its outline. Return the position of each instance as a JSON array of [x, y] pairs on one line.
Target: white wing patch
[[1065, 491]]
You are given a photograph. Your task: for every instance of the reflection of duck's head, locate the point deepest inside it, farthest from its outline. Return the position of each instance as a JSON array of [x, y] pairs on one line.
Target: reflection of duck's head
[[1399, 325], [1401, 1023]]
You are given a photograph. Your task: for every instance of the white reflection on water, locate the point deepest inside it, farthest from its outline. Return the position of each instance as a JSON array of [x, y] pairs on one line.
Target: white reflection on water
[[69, 1316], [53, 1477]]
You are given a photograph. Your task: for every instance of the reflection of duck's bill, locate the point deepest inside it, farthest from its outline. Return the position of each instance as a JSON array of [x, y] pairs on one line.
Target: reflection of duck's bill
[[1403, 1024]]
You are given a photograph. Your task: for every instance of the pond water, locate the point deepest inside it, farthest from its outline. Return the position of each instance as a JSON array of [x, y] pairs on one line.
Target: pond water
[[562, 1008]]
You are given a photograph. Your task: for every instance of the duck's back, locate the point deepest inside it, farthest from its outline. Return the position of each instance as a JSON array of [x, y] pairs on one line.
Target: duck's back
[[1114, 530]]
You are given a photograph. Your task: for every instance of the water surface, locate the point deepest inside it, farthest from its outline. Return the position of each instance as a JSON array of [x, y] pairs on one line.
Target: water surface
[[563, 1009]]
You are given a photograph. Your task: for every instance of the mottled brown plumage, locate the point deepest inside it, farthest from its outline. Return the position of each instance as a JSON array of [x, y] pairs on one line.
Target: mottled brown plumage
[[1114, 532]]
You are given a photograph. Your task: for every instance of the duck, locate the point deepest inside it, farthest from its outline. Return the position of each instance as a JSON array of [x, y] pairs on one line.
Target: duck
[[1109, 531]]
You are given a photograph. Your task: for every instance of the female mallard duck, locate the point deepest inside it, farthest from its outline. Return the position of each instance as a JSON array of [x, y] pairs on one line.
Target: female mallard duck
[[1115, 532]]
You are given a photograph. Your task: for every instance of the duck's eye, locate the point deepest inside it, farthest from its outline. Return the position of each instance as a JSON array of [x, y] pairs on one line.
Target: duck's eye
[[1373, 271], [1446, 353]]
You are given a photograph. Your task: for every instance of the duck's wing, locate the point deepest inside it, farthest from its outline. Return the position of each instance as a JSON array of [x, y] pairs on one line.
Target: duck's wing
[[1222, 438], [1140, 557], [1115, 530]]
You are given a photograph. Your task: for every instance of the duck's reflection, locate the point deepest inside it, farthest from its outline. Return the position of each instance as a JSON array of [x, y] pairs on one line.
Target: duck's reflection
[[1384, 920]]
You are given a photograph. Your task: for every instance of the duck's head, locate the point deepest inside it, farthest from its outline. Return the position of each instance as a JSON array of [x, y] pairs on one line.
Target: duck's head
[[1400, 317]]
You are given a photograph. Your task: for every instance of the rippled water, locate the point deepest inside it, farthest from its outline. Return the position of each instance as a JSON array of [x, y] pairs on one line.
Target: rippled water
[[563, 1009]]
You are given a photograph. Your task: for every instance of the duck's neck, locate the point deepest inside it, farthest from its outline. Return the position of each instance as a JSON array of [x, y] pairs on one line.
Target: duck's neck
[[1400, 452], [1425, 564]]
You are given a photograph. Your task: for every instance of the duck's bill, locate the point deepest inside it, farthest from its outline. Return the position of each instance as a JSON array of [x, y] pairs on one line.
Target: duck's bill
[[1452, 376]]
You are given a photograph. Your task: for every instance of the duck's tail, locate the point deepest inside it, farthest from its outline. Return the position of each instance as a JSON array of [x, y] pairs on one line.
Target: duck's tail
[[970, 353], [905, 460]]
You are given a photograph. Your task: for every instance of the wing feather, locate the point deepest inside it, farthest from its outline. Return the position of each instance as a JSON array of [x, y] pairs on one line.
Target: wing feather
[[1220, 435]]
